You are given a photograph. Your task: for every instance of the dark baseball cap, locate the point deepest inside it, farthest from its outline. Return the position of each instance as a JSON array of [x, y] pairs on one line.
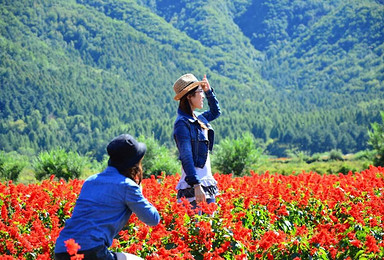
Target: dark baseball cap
[[124, 152]]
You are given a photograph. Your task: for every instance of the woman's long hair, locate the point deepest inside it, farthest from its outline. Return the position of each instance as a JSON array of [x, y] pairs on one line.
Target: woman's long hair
[[185, 106], [135, 173], [184, 102]]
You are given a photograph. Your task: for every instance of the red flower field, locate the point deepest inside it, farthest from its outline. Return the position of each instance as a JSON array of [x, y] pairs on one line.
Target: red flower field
[[268, 216]]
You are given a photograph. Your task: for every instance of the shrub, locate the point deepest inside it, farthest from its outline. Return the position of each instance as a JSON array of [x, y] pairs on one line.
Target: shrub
[[345, 169], [367, 155], [237, 156], [11, 166], [336, 155], [297, 155], [158, 159], [62, 164], [316, 157], [376, 140]]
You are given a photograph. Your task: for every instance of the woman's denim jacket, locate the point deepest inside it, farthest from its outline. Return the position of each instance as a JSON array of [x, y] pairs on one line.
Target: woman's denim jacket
[[191, 142]]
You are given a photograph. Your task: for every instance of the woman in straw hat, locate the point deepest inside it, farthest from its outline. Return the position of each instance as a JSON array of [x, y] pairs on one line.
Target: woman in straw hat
[[106, 202], [194, 138]]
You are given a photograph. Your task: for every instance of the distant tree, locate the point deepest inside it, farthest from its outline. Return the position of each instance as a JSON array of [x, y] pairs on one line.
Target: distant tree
[[376, 140], [329, 142]]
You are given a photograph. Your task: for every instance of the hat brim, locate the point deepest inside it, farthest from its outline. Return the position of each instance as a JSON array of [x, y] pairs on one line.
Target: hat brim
[[186, 90], [132, 161]]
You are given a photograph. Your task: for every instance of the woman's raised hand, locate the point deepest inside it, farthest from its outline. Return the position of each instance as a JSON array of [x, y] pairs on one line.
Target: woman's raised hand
[[205, 84]]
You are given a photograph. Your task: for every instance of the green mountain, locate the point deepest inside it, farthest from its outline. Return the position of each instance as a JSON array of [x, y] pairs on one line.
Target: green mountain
[[307, 74]]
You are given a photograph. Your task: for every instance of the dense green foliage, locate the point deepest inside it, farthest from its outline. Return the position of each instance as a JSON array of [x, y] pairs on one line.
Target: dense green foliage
[[161, 161], [376, 140], [307, 74], [158, 159], [237, 156], [11, 165], [62, 164]]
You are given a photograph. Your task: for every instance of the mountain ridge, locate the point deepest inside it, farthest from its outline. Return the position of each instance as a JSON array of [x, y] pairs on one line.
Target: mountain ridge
[[76, 73]]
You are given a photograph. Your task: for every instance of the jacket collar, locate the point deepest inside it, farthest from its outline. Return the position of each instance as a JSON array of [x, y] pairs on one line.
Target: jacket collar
[[183, 114]]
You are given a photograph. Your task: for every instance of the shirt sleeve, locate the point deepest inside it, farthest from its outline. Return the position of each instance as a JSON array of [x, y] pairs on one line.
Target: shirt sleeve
[[184, 145], [139, 205], [214, 108]]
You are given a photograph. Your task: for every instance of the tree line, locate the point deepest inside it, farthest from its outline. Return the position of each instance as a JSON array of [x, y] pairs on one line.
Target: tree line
[[232, 156]]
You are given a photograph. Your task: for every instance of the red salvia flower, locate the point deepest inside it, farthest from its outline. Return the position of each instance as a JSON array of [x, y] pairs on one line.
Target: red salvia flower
[[256, 216], [371, 244], [72, 246]]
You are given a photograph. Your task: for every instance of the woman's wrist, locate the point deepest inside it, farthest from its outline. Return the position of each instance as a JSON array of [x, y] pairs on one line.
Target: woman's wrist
[[209, 92]]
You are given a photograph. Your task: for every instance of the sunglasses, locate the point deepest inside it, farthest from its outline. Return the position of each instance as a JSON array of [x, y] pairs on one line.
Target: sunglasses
[[199, 90]]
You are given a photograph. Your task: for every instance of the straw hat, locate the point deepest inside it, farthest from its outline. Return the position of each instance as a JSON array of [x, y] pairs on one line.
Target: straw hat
[[184, 84]]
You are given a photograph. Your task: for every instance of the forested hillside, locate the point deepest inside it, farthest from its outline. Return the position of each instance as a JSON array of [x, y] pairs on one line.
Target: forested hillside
[[307, 74]]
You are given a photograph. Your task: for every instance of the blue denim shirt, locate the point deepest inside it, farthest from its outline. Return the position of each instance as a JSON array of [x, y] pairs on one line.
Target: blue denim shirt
[[191, 142], [104, 206]]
